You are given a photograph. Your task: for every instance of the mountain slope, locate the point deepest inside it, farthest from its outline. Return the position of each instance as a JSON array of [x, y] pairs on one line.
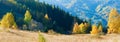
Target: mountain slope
[[96, 10], [60, 21]]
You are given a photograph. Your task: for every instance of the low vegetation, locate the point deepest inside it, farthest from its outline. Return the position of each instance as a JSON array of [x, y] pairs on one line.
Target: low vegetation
[[41, 37]]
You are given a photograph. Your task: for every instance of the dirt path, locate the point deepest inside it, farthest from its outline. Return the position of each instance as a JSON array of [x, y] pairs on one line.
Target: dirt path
[[27, 36]]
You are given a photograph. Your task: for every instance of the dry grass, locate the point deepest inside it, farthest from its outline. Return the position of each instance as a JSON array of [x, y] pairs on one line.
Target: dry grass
[[18, 36], [27, 36]]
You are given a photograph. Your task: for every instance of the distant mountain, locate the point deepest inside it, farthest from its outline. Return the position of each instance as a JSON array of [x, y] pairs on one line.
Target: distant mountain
[[96, 10], [59, 20]]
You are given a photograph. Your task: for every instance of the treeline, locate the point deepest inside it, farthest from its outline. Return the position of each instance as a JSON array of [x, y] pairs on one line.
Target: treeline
[[113, 26]]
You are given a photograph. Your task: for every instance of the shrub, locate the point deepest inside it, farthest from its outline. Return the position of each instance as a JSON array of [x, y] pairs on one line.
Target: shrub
[[51, 32], [40, 37]]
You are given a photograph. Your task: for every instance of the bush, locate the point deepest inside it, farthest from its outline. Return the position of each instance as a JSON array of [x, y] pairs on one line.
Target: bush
[[52, 32], [41, 38]]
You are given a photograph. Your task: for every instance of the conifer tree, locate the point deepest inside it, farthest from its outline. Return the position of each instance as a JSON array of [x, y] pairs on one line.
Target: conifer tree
[[100, 27]]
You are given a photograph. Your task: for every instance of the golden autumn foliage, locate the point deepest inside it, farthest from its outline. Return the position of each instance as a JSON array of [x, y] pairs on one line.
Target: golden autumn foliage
[[75, 28], [46, 16], [8, 21], [100, 28], [82, 28], [28, 16], [113, 22], [94, 30]]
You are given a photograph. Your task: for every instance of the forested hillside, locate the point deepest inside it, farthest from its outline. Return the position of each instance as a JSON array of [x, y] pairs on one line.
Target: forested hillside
[[42, 16]]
